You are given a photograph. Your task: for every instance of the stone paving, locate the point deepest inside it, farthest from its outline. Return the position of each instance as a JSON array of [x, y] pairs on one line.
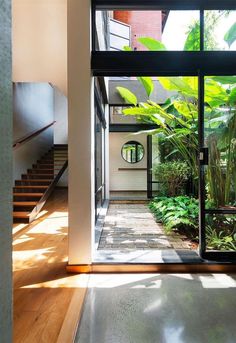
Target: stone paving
[[132, 226]]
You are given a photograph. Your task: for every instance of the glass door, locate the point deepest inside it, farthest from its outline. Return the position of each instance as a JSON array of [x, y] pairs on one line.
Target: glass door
[[218, 168]]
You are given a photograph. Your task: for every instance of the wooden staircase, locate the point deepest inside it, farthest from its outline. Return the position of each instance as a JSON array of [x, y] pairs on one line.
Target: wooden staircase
[[31, 192]]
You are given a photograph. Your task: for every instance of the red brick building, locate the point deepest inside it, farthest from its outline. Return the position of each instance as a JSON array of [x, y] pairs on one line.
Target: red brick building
[[143, 24]]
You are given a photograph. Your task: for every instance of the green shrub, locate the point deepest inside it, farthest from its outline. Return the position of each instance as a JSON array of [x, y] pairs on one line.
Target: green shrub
[[177, 213], [172, 177], [221, 232], [181, 214]]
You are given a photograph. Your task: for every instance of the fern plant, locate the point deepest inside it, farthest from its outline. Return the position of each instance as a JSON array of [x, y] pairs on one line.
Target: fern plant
[[177, 213]]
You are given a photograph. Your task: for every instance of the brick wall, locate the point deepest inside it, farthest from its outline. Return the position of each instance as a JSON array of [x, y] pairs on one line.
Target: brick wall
[[143, 24]]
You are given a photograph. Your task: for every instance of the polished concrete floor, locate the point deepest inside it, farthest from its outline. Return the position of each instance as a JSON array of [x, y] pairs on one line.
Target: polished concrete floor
[[154, 308]]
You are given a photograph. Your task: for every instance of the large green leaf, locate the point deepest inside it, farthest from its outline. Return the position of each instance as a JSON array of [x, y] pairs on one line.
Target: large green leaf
[[192, 42], [230, 35], [127, 95], [227, 80], [215, 94], [153, 113], [127, 48], [232, 96], [187, 109], [147, 83], [152, 44], [185, 85]]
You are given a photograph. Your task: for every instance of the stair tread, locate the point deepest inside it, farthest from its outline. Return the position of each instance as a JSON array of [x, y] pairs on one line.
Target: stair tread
[[21, 214], [24, 203], [37, 186], [30, 175], [28, 194], [34, 180]]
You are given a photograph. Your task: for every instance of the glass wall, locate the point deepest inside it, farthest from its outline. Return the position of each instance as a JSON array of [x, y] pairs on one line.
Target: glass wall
[[99, 131], [131, 30], [220, 172], [220, 28]]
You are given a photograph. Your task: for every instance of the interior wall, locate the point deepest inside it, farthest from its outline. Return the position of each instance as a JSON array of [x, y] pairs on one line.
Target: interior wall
[[61, 127], [33, 109], [6, 173], [61, 117], [39, 35], [127, 180]]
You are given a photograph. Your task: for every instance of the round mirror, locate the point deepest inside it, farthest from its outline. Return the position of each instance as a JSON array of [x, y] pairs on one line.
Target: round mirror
[[132, 152]]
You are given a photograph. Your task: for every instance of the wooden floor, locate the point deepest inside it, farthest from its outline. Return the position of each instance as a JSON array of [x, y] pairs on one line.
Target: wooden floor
[[44, 294]]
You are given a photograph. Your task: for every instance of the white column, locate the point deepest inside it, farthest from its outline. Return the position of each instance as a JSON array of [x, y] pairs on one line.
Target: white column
[[6, 173], [80, 133]]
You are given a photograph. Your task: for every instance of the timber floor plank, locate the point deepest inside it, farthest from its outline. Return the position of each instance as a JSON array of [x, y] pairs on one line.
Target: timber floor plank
[[43, 290]]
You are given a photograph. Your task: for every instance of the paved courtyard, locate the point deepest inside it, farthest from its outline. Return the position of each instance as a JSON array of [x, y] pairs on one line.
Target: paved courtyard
[[132, 226]]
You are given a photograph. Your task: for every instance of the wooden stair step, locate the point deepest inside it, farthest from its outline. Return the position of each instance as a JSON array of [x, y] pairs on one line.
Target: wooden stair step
[[46, 165], [30, 176], [39, 171], [53, 161], [21, 214], [37, 186], [38, 195], [45, 181], [25, 203]]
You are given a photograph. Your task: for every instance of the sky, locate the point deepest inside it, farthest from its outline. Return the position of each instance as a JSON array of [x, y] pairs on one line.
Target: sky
[[178, 22]]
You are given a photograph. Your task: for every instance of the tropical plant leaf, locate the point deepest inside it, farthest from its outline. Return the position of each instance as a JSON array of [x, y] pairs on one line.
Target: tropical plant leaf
[[215, 94], [192, 42], [180, 84], [152, 44], [147, 83], [228, 80], [232, 96], [152, 113], [127, 95], [230, 35], [185, 108], [127, 48]]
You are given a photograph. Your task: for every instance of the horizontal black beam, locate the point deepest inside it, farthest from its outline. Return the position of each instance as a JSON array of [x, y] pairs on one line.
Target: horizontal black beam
[[163, 63], [165, 4], [131, 127]]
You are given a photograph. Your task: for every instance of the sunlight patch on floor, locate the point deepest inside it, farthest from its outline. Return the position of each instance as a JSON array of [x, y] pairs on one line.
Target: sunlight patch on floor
[[75, 281]]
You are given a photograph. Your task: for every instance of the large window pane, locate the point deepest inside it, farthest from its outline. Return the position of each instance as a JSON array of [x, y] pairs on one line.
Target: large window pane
[[221, 232], [220, 139], [147, 30], [220, 30]]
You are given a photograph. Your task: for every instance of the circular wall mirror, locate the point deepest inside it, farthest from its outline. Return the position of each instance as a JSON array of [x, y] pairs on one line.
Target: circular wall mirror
[[132, 152]]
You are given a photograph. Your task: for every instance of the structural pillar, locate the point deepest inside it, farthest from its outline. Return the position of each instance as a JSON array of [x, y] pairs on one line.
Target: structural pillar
[[80, 133], [6, 173]]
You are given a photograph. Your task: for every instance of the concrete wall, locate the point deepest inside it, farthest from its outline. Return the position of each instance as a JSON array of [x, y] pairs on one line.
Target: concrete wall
[[159, 95], [40, 41], [61, 117], [126, 180], [33, 110], [6, 174]]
